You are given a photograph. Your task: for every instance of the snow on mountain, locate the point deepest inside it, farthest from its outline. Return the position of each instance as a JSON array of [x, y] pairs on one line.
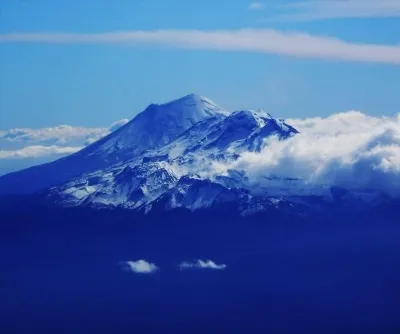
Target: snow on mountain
[[129, 185], [195, 193], [249, 128], [156, 126], [223, 137]]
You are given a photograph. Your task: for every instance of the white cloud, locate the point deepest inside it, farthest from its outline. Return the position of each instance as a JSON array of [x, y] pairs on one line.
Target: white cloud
[[141, 267], [308, 10], [257, 6], [36, 151], [268, 41], [347, 149], [25, 147], [43, 142], [202, 264], [58, 135]]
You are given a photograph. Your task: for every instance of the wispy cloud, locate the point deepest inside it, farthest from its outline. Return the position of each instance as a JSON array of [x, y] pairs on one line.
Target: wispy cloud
[[202, 264], [268, 41], [308, 10], [256, 6]]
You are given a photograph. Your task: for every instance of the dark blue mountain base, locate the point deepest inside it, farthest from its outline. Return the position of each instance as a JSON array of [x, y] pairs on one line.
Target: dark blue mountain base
[[336, 273]]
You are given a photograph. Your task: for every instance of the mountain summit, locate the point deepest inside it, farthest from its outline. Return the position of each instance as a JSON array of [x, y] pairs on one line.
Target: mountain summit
[[156, 126]]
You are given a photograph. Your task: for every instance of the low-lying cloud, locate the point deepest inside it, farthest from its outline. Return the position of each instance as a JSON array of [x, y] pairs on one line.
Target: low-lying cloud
[[62, 135], [348, 149], [202, 264], [140, 267], [270, 41], [25, 147], [58, 135], [36, 151], [63, 139]]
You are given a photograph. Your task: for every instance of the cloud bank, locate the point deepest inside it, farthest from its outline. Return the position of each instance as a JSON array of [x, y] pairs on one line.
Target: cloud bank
[[141, 267], [269, 41], [63, 135], [24, 147], [63, 139], [348, 149], [202, 264]]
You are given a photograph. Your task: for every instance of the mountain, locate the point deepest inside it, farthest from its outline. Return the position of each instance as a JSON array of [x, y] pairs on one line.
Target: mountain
[[153, 128], [169, 156], [175, 174]]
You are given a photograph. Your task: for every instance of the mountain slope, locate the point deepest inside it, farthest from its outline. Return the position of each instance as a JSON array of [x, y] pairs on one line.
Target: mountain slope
[[243, 130]]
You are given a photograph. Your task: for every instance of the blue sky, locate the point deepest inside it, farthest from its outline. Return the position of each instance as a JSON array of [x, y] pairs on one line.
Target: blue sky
[[46, 81]]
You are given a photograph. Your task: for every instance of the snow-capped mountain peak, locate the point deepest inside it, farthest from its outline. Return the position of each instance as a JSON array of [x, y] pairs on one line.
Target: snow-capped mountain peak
[[159, 124], [193, 106]]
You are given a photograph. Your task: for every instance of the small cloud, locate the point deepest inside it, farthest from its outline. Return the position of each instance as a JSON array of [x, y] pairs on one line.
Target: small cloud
[[115, 126], [140, 267], [256, 6], [200, 264]]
